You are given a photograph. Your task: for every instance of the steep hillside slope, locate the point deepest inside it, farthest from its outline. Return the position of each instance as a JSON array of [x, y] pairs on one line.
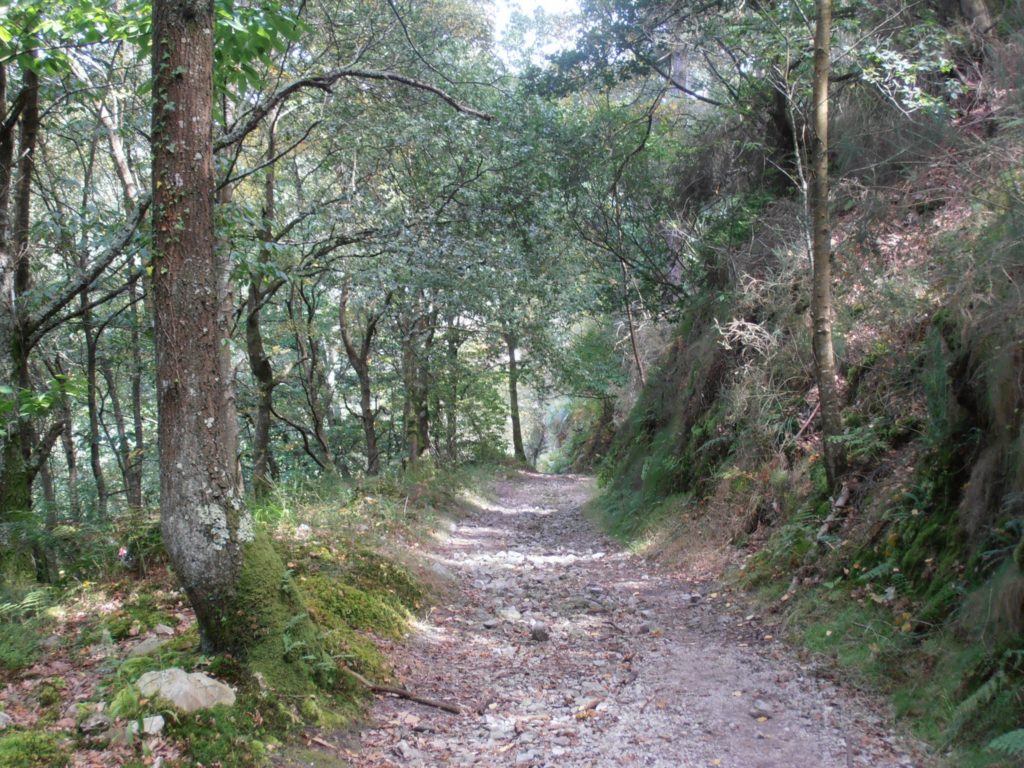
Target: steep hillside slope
[[912, 577]]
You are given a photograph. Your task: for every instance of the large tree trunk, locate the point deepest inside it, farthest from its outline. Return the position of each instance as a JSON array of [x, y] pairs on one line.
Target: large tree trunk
[[978, 16], [513, 398], [16, 433], [821, 298], [236, 583]]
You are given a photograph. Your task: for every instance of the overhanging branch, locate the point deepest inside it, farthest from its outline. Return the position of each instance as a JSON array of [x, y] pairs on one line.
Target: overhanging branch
[[326, 82]]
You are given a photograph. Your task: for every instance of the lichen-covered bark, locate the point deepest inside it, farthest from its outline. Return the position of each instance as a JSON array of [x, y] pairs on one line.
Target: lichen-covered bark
[[16, 435], [237, 585]]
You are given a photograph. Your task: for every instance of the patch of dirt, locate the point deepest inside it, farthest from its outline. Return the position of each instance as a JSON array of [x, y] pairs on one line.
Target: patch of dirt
[[562, 649]]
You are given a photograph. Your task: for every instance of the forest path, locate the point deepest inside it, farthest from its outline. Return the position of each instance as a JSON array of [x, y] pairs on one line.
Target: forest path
[[565, 650]]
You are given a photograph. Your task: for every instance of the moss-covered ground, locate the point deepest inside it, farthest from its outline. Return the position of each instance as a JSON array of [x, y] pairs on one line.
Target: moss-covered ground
[[65, 652]]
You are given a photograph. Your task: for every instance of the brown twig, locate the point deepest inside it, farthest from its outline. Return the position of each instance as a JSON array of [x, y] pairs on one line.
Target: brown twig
[[404, 694], [807, 423]]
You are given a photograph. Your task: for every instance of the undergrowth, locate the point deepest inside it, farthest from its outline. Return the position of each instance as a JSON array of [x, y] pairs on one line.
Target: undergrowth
[[344, 546], [915, 586]]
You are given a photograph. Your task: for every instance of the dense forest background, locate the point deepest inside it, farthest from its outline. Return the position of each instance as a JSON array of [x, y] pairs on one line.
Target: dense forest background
[[770, 293]]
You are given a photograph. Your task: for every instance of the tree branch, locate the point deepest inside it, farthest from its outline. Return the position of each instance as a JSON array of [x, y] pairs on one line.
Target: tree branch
[[325, 83], [39, 325]]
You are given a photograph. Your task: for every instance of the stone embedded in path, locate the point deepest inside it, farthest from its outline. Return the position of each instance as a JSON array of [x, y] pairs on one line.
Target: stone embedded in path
[[406, 751], [187, 692], [5, 720], [621, 681], [510, 613]]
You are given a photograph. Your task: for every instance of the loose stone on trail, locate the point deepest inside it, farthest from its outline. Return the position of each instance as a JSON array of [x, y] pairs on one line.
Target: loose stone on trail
[[564, 650]]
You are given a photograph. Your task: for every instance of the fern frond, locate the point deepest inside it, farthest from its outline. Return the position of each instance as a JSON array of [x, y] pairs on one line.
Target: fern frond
[[1011, 743], [973, 704]]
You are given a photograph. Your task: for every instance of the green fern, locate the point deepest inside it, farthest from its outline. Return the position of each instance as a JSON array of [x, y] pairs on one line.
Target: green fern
[[1005, 676], [974, 703], [880, 570], [29, 605], [1011, 743]]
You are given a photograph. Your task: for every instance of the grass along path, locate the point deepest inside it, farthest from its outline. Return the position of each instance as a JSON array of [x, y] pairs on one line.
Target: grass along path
[[563, 649]]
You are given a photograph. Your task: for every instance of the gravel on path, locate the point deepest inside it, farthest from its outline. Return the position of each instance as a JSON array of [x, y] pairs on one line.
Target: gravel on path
[[565, 650]]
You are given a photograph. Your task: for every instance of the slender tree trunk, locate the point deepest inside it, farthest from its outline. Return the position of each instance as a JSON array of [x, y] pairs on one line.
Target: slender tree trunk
[[631, 324], [235, 581], [422, 379], [359, 359], [95, 458], [136, 463], [259, 363], [410, 410], [513, 398], [263, 373], [821, 298], [132, 492], [451, 411], [71, 459]]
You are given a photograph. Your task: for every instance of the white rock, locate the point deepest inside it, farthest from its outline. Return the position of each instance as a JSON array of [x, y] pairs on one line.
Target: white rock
[[151, 726], [187, 692], [163, 629], [5, 720]]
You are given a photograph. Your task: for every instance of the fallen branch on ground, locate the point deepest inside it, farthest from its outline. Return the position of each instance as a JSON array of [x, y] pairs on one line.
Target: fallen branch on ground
[[404, 694]]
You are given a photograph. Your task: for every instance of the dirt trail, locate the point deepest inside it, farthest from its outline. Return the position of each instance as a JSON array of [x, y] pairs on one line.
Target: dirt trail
[[566, 651]]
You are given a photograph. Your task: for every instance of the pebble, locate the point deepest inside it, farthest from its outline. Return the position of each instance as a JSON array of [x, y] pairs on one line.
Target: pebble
[[406, 751], [760, 708]]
